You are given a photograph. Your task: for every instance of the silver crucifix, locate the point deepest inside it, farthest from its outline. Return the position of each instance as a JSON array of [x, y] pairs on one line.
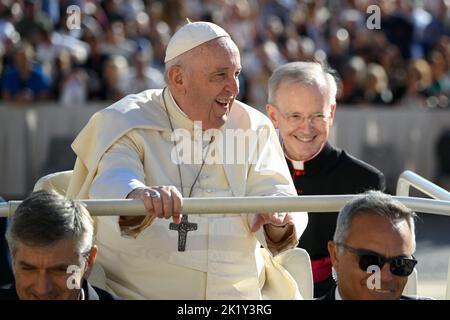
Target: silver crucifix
[[183, 229]]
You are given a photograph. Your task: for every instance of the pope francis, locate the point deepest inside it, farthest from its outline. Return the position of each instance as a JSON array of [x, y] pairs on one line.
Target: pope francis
[[129, 150]]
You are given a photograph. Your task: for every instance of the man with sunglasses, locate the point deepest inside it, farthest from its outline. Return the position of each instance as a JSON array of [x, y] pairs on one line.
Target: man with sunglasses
[[302, 104], [372, 249]]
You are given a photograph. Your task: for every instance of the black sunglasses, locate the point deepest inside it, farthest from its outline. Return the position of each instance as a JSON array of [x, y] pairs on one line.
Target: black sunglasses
[[399, 266]]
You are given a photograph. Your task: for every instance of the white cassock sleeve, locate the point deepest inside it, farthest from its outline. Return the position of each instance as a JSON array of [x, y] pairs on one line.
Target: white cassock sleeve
[[120, 169], [269, 176]]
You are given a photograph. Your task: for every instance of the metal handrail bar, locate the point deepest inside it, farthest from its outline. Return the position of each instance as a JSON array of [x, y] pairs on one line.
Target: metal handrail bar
[[323, 203], [410, 179]]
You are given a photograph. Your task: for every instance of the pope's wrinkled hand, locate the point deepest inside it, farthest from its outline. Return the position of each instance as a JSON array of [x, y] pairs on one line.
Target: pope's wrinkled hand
[[277, 219], [160, 201]]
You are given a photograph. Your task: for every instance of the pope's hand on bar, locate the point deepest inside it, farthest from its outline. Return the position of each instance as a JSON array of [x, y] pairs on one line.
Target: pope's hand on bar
[[160, 201], [277, 219]]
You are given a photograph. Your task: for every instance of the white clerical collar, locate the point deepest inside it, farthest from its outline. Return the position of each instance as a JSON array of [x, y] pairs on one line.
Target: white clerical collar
[[297, 165], [181, 119], [337, 296]]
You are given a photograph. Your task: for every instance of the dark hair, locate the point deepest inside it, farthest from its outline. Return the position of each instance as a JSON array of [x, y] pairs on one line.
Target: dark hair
[[376, 203], [45, 218]]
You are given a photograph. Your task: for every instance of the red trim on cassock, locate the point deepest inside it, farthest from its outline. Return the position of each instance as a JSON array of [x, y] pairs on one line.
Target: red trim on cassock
[[321, 269], [296, 173]]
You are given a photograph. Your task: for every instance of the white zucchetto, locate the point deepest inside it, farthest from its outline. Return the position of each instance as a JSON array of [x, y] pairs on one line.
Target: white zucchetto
[[192, 35]]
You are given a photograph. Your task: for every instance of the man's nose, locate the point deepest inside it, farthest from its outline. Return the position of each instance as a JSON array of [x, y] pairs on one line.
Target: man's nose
[[233, 85], [386, 274], [305, 123], [43, 285]]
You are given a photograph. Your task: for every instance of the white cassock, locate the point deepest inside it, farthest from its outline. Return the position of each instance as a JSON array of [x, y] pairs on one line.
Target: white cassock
[[128, 145]]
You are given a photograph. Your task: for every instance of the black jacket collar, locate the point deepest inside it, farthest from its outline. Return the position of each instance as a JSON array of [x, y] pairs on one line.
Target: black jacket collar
[[89, 292]]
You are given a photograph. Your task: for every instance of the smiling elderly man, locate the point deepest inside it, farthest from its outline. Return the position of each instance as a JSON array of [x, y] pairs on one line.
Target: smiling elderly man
[[302, 105], [129, 150]]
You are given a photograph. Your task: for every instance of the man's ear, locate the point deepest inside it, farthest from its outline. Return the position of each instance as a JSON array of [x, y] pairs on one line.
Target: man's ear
[[333, 111], [90, 261], [272, 114], [332, 250], [175, 76]]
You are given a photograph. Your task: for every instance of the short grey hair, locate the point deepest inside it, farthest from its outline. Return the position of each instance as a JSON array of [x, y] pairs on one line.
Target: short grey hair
[[375, 203], [184, 59], [177, 61], [45, 218], [305, 73]]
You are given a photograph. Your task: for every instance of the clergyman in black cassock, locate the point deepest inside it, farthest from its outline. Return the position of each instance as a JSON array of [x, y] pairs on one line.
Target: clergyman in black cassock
[[302, 105]]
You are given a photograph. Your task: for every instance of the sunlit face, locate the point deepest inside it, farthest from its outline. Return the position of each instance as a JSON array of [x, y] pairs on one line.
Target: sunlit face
[[303, 115], [41, 272], [210, 82], [377, 234]]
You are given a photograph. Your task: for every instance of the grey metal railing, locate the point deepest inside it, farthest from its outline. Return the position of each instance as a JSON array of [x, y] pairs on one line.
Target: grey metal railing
[[324, 203], [410, 179]]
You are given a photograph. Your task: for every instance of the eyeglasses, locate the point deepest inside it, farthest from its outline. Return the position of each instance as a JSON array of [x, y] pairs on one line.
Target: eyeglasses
[[399, 266], [295, 118]]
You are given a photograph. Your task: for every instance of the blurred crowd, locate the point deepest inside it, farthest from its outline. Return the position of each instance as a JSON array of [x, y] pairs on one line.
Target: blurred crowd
[[78, 51]]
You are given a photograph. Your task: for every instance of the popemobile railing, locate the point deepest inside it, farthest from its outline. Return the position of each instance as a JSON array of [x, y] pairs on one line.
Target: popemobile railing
[[317, 203], [325, 203], [410, 179]]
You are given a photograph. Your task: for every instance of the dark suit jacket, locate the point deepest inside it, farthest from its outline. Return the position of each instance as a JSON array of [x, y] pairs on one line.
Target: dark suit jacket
[[330, 296], [90, 293]]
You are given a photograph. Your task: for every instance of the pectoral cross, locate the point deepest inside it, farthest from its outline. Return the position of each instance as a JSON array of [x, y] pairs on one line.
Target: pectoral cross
[[183, 229]]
